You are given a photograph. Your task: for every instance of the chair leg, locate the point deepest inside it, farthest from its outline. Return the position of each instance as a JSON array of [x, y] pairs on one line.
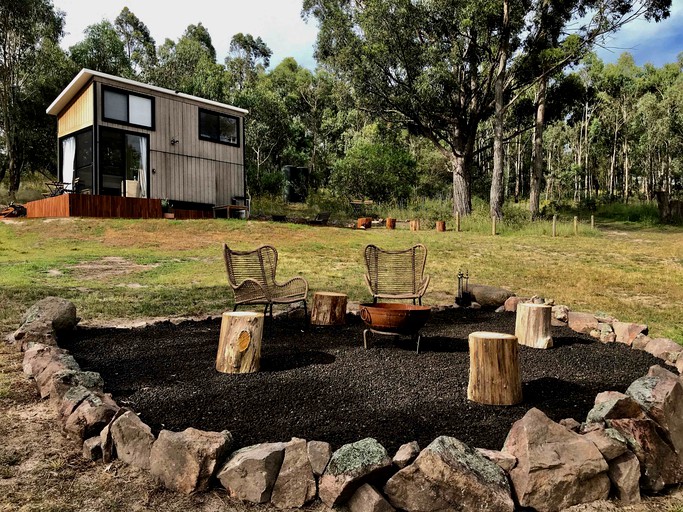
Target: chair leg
[[234, 307], [305, 309]]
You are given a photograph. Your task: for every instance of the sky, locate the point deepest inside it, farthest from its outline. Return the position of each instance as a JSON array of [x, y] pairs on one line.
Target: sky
[[279, 24]]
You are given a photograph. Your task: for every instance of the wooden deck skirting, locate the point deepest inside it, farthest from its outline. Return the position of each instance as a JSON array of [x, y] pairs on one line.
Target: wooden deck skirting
[[84, 205]]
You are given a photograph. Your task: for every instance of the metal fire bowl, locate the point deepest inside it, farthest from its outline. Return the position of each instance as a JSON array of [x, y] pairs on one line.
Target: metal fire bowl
[[387, 317]]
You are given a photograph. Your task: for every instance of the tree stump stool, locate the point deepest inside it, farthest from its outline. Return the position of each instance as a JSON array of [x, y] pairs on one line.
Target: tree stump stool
[[494, 369], [390, 223], [329, 308], [532, 325], [441, 226], [239, 344], [415, 225]]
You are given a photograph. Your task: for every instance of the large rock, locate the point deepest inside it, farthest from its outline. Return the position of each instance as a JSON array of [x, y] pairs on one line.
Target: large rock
[[613, 405], [38, 357], [295, 484], [582, 322], [59, 363], [250, 473], [624, 473], [560, 315], [449, 475], [319, 454], [664, 348], [489, 296], [660, 394], [641, 341], [90, 417], [555, 468], [70, 401], [659, 464], [610, 442], [406, 454], [510, 304], [186, 461], [64, 380], [505, 461], [626, 332], [132, 439], [92, 449], [368, 499], [46, 320], [351, 466]]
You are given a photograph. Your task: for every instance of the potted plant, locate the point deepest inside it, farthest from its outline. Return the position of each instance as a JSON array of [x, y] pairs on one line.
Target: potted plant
[[166, 208]]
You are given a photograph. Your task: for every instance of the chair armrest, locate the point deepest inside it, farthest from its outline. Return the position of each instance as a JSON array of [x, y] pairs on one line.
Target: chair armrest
[[298, 284], [249, 290], [423, 285]]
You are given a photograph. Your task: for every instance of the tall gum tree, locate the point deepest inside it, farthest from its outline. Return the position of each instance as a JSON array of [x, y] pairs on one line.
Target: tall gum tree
[[429, 64]]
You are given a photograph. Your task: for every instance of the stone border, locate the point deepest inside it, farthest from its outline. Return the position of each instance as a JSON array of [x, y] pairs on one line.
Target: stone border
[[629, 442]]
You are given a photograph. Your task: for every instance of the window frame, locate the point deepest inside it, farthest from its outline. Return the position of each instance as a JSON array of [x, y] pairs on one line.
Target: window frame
[[219, 115], [127, 94]]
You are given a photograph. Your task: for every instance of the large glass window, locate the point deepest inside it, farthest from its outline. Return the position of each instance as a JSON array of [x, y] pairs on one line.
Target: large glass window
[[127, 108], [220, 128], [77, 161], [123, 156]]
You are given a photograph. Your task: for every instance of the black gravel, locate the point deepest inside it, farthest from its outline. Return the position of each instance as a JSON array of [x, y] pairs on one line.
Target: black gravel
[[319, 383]]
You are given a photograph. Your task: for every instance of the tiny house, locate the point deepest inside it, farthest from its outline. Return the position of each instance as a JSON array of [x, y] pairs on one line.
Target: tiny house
[[118, 137]]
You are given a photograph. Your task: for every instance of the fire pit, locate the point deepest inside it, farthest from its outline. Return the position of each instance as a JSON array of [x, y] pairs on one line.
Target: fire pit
[[394, 320]]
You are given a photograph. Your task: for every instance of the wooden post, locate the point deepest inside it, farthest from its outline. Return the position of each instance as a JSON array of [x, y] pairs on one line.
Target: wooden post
[[457, 222], [441, 225], [554, 226], [415, 225], [494, 369], [576, 225], [592, 221], [239, 345], [532, 325], [493, 225], [391, 223], [329, 308]]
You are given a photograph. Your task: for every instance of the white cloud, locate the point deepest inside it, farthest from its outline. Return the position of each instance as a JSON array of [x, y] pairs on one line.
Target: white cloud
[[277, 22]]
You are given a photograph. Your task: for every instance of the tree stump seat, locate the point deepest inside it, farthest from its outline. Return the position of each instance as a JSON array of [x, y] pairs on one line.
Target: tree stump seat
[[494, 377]]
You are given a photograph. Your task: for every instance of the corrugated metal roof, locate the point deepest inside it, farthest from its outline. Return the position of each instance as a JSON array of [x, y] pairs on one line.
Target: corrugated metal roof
[[84, 76]]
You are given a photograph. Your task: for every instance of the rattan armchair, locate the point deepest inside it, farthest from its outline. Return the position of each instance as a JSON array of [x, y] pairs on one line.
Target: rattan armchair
[[396, 274], [251, 275]]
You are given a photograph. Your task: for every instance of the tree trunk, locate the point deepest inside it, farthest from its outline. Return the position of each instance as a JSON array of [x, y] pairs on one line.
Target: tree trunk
[[494, 369], [239, 345], [614, 160], [329, 308], [462, 201], [537, 174], [496, 195], [627, 173], [518, 167], [532, 325]]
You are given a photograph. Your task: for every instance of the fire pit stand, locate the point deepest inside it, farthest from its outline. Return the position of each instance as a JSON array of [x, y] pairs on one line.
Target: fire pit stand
[[390, 319], [416, 336]]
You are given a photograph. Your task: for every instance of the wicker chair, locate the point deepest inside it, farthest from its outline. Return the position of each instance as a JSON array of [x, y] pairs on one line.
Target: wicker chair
[[251, 275], [396, 274]]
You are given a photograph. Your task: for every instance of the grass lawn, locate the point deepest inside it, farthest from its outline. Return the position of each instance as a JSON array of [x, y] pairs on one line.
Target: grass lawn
[[139, 268]]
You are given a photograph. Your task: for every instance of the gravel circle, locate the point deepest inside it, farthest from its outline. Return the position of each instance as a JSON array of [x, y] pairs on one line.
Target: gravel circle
[[318, 383]]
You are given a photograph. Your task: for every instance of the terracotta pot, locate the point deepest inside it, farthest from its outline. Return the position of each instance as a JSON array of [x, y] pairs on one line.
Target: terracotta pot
[[394, 318], [168, 215]]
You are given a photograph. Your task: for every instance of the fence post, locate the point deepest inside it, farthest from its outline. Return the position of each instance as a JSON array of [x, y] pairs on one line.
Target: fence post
[[554, 226], [576, 225], [457, 222], [493, 225], [592, 221]]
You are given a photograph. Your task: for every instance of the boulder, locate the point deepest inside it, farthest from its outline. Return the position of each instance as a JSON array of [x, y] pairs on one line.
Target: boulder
[[132, 439], [406, 454], [295, 484], [46, 320], [510, 304], [560, 315], [626, 332], [555, 468], [505, 461], [59, 363], [582, 322], [570, 424], [38, 357], [489, 296], [92, 449], [319, 454], [664, 348], [449, 475], [250, 473], [368, 499], [71, 400], [641, 341], [350, 466], [624, 473], [610, 442], [91, 416], [612, 405], [186, 461], [106, 439], [64, 380], [659, 464], [660, 395]]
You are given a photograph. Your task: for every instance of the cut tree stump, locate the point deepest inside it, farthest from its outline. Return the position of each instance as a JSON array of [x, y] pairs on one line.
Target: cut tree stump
[[239, 345], [415, 225], [329, 308], [391, 223], [532, 326], [441, 225], [494, 369]]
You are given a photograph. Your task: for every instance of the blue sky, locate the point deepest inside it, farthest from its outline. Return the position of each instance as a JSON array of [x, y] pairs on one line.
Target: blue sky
[[280, 25]]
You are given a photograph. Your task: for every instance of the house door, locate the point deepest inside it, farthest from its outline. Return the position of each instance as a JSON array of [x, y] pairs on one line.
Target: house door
[[123, 156]]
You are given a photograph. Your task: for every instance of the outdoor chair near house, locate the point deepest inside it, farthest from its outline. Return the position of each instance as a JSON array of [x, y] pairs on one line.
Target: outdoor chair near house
[[396, 274], [320, 219], [251, 275]]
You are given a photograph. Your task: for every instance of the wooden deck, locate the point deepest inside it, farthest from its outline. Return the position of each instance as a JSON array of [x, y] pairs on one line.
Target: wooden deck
[[84, 205]]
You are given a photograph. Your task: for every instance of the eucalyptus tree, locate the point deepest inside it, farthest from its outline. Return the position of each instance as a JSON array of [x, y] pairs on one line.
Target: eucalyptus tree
[[248, 56], [138, 43], [27, 30], [428, 64], [102, 50]]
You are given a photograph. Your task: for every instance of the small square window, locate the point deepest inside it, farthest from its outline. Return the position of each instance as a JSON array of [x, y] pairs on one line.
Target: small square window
[[127, 108], [220, 128]]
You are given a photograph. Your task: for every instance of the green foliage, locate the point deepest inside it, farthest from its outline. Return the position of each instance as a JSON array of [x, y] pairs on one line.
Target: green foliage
[[102, 50]]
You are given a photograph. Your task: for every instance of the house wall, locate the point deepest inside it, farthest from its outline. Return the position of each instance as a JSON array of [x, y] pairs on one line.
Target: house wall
[[78, 115], [191, 170]]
